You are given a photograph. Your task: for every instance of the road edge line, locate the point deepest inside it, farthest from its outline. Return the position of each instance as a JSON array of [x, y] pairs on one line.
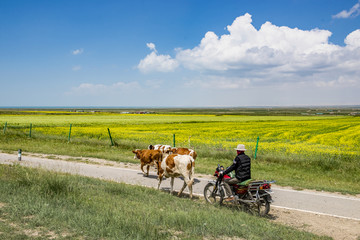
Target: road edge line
[[318, 213]]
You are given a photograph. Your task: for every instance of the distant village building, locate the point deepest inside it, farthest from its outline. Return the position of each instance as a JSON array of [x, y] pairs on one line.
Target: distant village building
[[354, 114], [143, 112]]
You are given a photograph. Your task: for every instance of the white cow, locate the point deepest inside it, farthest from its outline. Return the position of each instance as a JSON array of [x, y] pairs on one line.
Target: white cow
[[162, 148], [175, 165]]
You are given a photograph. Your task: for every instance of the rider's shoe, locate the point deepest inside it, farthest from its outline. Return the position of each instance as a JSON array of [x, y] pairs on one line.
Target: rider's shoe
[[230, 199]]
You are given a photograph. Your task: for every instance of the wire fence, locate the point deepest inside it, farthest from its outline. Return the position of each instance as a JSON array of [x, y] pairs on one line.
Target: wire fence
[[114, 135], [205, 139]]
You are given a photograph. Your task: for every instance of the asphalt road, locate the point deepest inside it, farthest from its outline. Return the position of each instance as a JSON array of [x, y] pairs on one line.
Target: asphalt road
[[306, 201]]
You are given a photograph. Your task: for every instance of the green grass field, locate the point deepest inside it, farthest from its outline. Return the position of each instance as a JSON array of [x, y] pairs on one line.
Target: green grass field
[[37, 204], [317, 152]]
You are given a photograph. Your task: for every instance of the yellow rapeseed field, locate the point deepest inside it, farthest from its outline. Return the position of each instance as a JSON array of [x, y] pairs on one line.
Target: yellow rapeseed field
[[328, 136]]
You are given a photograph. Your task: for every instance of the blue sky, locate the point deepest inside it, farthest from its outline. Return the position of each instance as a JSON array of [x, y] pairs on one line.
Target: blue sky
[[179, 53]]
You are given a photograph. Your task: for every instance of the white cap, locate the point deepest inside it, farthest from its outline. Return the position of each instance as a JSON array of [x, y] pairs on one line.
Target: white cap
[[240, 147]]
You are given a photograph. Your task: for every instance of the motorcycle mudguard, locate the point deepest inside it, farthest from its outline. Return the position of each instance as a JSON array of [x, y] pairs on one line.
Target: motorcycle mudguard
[[269, 198]]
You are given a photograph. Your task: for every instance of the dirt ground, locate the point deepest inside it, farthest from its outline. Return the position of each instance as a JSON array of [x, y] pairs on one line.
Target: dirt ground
[[337, 228], [323, 225]]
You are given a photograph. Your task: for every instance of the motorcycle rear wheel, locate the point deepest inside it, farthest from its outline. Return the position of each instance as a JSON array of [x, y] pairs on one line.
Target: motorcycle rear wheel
[[208, 194], [263, 207]]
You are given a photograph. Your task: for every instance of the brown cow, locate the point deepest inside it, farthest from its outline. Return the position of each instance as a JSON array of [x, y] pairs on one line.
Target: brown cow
[[148, 158], [175, 165], [184, 151]]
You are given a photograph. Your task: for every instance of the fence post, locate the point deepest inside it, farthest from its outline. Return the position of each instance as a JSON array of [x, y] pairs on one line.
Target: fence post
[[256, 148], [5, 127], [174, 139], [30, 130], [112, 144], [19, 154], [69, 132]]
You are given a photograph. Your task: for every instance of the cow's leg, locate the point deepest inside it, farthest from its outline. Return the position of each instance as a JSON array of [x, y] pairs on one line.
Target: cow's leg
[[189, 182], [160, 179], [172, 184], [182, 189], [158, 169], [142, 165], [148, 167]]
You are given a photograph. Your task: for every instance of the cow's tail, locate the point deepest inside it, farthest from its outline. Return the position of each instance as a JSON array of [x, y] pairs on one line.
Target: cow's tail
[[159, 170], [161, 157]]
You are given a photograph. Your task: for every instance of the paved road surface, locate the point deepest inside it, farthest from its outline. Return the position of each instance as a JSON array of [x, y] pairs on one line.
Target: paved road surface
[[320, 203]]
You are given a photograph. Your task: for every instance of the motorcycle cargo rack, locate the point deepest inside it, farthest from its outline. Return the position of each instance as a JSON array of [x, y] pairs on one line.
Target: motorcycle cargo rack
[[254, 185]]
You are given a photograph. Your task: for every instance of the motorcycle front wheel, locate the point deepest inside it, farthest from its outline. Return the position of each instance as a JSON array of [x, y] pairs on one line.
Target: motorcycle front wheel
[[209, 196]]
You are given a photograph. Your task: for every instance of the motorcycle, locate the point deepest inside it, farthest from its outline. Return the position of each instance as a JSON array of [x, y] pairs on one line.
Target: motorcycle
[[251, 194]]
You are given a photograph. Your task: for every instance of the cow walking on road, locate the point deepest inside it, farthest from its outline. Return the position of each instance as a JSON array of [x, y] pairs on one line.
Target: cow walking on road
[[175, 165], [148, 158]]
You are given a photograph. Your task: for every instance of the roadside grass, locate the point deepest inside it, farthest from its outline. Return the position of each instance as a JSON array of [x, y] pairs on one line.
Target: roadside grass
[[78, 147], [37, 204], [318, 172]]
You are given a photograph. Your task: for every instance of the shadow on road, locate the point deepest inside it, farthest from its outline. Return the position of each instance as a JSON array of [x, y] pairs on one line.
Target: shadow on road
[[164, 178]]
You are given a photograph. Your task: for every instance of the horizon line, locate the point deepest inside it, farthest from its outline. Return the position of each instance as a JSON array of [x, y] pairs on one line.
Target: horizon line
[[185, 107]]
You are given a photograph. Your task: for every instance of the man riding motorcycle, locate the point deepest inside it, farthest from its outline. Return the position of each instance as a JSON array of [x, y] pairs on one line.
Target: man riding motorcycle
[[242, 167]]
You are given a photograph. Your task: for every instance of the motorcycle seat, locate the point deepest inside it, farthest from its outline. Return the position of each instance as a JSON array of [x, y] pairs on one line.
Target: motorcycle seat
[[246, 182]]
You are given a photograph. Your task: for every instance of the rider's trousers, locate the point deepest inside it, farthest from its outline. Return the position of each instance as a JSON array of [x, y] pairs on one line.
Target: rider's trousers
[[228, 181]]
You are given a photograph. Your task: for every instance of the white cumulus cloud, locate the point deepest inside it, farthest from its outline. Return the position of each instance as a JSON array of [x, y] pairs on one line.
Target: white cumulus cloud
[[271, 55], [151, 46], [270, 46], [353, 12], [155, 62], [353, 39]]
